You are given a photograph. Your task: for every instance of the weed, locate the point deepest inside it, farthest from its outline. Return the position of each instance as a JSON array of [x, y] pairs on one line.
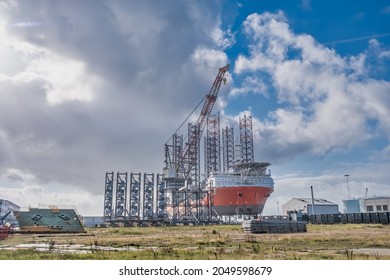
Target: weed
[[249, 238], [256, 248], [52, 244], [349, 254]]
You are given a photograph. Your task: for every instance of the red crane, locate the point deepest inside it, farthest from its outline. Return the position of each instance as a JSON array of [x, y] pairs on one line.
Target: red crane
[[183, 163], [190, 156], [211, 97]]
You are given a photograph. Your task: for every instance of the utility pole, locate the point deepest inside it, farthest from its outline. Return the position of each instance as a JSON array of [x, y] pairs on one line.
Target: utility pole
[[349, 194], [312, 199]]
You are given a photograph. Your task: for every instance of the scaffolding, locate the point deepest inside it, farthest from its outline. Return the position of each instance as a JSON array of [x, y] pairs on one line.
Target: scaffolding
[[246, 139], [161, 198], [135, 195], [173, 152], [212, 145], [148, 199], [121, 196], [228, 148], [108, 196]]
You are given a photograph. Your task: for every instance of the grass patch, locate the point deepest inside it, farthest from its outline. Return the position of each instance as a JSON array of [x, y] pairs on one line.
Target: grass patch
[[328, 242]]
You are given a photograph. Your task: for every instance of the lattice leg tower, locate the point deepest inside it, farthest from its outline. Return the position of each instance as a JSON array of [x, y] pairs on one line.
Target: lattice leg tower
[[213, 145], [228, 148], [148, 196], [161, 198], [121, 196], [173, 151], [246, 139], [108, 197], [135, 196]]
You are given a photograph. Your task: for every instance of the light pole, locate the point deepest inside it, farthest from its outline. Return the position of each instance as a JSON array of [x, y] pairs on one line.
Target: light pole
[[349, 194], [312, 200]]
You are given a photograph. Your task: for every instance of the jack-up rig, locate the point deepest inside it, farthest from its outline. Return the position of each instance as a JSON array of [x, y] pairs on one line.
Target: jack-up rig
[[181, 194]]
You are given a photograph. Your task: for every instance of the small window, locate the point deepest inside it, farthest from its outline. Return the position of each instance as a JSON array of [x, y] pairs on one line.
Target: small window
[[379, 208], [385, 208], [56, 227], [63, 216], [36, 217], [370, 208]]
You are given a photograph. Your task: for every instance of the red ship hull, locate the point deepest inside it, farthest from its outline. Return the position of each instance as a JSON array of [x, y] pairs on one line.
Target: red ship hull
[[240, 200]]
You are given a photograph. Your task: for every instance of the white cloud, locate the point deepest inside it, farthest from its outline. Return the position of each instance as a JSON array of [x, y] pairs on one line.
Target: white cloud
[[64, 78], [327, 100], [223, 39], [252, 84], [385, 54], [23, 188], [93, 88], [382, 155], [211, 58]]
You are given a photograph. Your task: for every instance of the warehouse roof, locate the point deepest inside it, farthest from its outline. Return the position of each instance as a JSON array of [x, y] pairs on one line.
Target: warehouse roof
[[317, 201]]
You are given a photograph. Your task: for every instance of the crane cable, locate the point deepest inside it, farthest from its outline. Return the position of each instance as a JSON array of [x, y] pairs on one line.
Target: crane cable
[[197, 106]]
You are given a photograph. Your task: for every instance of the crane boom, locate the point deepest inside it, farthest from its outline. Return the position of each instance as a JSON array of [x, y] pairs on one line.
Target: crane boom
[[181, 173], [190, 157], [211, 97], [183, 162]]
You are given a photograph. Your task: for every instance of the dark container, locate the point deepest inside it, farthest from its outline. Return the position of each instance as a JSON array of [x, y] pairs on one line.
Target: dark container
[[358, 218], [366, 218], [374, 218], [336, 218], [350, 218], [343, 218], [329, 219], [383, 218], [324, 219]]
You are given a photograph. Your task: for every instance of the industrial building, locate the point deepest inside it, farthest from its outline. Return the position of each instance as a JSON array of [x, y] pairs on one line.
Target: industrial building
[[305, 206], [49, 220], [6, 212], [367, 204]]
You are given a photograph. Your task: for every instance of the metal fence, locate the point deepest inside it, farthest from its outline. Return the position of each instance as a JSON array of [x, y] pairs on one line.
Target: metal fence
[[351, 218]]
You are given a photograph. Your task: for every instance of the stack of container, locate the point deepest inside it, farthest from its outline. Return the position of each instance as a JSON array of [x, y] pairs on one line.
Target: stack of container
[[274, 226]]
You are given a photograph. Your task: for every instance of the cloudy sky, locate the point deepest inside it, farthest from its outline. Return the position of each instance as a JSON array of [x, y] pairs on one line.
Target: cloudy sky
[[93, 86]]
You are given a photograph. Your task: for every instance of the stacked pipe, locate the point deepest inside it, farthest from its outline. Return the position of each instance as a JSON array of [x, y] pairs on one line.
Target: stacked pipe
[[258, 226]]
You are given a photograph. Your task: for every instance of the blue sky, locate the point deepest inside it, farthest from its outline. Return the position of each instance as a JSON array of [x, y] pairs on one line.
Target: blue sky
[[95, 86]]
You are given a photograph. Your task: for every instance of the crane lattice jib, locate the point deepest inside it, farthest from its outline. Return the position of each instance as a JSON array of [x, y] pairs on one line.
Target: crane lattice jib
[[211, 97]]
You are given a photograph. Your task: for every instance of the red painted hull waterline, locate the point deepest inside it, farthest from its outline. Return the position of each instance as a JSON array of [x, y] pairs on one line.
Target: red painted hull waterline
[[241, 191], [240, 200]]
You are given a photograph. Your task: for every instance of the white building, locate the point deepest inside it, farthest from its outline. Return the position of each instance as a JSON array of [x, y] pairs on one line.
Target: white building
[[5, 207], [91, 221], [304, 206], [367, 204]]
